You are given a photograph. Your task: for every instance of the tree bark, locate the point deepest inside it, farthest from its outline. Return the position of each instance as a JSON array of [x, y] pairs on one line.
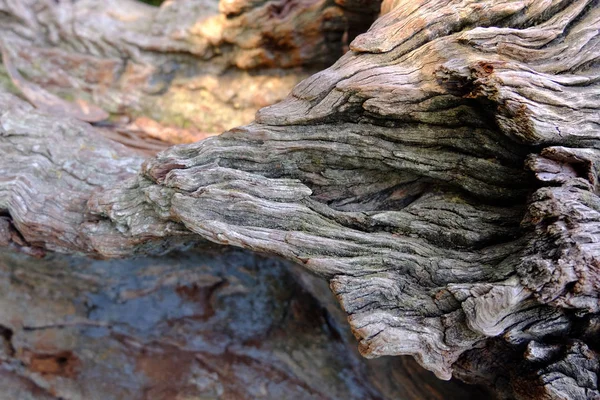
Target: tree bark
[[442, 175]]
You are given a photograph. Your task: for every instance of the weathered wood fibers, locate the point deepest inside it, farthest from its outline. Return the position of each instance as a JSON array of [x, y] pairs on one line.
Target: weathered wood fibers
[[398, 174]]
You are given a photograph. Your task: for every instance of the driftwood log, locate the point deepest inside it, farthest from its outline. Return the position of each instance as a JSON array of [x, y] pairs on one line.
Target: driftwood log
[[442, 174]]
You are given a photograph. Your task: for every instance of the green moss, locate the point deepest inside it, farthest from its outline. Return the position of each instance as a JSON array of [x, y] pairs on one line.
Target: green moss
[[6, 83], [67, 96], [153, 2]]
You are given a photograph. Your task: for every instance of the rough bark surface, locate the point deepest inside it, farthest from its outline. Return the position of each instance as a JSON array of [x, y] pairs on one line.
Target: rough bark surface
[[443, 175]]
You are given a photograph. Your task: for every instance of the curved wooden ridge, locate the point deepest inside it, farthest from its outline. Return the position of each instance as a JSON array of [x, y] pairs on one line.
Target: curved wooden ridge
[[443, 175]]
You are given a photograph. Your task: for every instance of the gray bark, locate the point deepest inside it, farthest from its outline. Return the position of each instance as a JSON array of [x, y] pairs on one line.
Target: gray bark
[[442, 175]]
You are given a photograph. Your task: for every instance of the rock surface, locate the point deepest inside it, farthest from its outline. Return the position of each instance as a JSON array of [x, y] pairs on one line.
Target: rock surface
[[215, 324], [443, 175]]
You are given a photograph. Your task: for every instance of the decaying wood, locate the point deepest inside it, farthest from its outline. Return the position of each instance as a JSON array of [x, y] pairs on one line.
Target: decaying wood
[[443, 175]]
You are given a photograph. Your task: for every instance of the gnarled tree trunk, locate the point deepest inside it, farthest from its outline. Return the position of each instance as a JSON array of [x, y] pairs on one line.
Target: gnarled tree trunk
[[442, 174]]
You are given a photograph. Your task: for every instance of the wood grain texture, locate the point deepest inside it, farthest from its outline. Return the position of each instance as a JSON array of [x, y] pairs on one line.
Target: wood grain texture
[[442, 175]]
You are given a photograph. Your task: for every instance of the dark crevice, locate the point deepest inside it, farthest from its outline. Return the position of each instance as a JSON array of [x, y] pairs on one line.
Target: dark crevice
[[388, 199], [7, 335]]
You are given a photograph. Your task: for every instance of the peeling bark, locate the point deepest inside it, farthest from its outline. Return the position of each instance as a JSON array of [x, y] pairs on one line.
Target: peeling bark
[[443, 175]]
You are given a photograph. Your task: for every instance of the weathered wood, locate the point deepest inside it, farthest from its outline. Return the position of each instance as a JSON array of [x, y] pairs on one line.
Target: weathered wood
[[397, 173], [185, 64]]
